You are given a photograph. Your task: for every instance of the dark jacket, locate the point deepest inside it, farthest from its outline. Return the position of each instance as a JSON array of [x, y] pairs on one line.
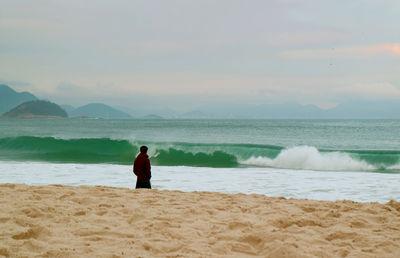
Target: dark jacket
[[141, 167]]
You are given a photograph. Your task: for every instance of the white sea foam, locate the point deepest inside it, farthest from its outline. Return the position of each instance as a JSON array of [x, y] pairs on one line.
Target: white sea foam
[[320, 185], [309, 158], [395, 167]]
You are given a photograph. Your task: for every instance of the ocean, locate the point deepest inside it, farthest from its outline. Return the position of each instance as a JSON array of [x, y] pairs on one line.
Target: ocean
[[316, 159]]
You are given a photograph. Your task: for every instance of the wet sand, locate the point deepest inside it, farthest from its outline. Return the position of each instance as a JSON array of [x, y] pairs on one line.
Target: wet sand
[[66, 221]]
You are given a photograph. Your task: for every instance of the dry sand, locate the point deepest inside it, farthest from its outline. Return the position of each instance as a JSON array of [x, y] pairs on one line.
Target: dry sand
[[65, 221]]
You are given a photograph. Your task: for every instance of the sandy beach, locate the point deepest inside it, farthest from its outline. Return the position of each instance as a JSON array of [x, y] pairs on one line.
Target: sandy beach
[[66, 221]]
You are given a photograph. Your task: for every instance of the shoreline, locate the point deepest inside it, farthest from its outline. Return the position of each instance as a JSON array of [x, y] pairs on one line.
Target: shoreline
[[71, 221], [313, 185]]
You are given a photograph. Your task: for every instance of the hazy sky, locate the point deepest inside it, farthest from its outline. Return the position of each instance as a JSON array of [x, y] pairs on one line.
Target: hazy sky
[[184, 54]]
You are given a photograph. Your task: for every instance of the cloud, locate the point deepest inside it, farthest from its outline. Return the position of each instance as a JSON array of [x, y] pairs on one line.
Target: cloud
[[268, 50], [28, 24], [386, 49], [311, 35]]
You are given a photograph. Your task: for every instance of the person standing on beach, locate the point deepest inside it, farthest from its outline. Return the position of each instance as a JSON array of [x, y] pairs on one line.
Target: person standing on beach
[[142, 169]]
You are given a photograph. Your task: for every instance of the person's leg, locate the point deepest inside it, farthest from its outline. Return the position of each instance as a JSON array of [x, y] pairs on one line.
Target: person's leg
[[143, 184], [147, 184], [139, 184]]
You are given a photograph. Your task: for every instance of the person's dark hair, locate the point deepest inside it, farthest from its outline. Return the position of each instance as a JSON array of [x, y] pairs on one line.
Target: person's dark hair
[[143, 149]]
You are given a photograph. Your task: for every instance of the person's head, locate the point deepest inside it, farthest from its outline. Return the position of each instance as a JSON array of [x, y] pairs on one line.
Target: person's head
[[143, 149]]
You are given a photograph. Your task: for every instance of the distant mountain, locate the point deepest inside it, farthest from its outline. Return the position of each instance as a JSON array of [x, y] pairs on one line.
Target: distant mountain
[[197, 114], [138, 112], [36, 109], [389, 109], [98, 110], [153, 117], [9, 98], [253, 111], [68, 108], [355, 109]]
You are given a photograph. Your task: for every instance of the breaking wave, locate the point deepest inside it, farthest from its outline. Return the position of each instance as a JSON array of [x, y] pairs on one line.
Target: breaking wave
[[114, 151], [310, 158]]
